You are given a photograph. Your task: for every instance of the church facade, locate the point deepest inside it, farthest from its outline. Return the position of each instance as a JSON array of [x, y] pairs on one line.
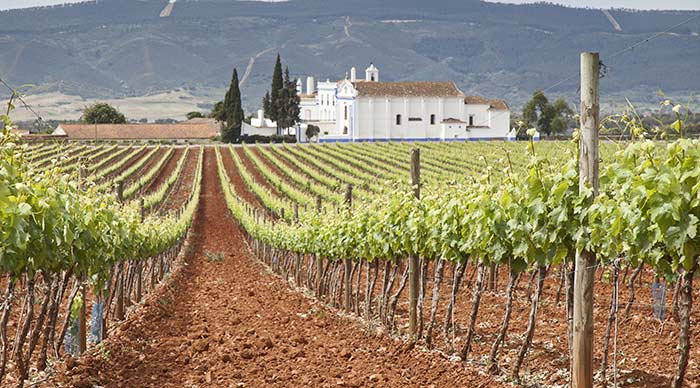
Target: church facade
[[357, 110]]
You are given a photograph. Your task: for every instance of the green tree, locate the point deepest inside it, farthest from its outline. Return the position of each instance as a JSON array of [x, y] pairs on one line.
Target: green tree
[[233, 112], [102, 113], [288, 110], [545, 117], [312, 131], [194, 115], [266, 103], [217, 112], [275, 91]]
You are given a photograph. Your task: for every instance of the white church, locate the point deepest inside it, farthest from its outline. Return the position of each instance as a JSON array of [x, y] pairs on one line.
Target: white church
[[357, 110]]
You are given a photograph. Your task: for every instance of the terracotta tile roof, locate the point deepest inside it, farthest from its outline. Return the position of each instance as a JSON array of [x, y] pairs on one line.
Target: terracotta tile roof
[[193, 129], [408, 89], [493, 103]]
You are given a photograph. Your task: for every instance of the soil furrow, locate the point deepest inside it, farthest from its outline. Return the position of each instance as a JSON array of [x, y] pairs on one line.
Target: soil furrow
[[228, 322], [257, 175], [164, 172], [182, 189]]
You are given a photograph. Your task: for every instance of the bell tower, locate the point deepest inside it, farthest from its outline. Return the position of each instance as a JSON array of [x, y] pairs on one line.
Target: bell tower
[[372, 73]]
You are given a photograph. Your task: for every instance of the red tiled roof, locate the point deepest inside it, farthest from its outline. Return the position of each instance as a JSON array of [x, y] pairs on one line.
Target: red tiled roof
[[193, 129], [408, 89], [496, 104]]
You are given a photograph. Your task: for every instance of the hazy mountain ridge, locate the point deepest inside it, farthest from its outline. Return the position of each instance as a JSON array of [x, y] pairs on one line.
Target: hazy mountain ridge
[[122, 48]]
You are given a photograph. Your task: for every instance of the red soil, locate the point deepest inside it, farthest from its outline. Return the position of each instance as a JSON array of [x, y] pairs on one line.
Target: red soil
[[230, 323], [152, 161], [237, 181], [165, 171], [259, 178], [181, 190]]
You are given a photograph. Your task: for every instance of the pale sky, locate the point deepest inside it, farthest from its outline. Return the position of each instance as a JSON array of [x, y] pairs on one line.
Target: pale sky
[[639, 4]]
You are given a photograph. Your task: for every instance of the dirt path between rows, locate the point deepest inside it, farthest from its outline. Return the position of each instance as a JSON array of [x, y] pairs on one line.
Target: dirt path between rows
[[224, 321]]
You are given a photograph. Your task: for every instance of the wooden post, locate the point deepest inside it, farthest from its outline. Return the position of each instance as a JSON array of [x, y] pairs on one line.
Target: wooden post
[[82, 320], [142, 209], [319, 259], [296, 213], [413, 262], [348, 260], [120, 191], [119, 293], [584, 276], [139, 281]]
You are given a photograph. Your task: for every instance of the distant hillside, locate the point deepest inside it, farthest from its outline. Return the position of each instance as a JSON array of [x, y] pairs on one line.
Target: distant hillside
[[122, 48]]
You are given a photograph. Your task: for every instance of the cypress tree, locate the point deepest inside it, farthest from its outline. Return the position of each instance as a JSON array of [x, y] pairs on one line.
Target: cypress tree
[[266, 103], [276, 87], [233, 111], [288, 109]]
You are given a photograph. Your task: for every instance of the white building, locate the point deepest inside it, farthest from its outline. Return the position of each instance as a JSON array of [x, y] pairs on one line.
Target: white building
[[259, 126], [366, 109]]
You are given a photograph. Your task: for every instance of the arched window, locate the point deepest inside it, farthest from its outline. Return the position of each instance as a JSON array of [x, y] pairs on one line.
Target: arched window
[[398, 119], [345, 130]]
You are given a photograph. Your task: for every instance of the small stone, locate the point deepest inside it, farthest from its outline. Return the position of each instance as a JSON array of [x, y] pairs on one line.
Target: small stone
[[226, 358], [70, 362], [267, 343], [201, 346], [375, 378], [247, 354]]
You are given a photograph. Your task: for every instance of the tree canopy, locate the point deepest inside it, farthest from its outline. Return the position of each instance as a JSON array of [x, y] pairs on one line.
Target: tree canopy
[[102, 113], [194, 115], [232, 112], [281, 102], [547, 118], [312, 131]]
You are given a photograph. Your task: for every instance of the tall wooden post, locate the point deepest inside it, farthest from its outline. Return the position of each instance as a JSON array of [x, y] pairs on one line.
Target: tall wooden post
[[348, 260], [120, 191], [413, 262], [584, 276], [82, 316], [319, 259], [119, 312], [142, 209], [82, 320]]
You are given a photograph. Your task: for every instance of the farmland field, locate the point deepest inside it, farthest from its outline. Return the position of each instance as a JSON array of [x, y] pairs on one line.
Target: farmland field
[[287, 265]]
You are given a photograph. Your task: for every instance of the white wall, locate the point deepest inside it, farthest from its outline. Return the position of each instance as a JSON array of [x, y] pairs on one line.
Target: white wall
[[325, 100], [376, 117], [247, 129], [451, 131]]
